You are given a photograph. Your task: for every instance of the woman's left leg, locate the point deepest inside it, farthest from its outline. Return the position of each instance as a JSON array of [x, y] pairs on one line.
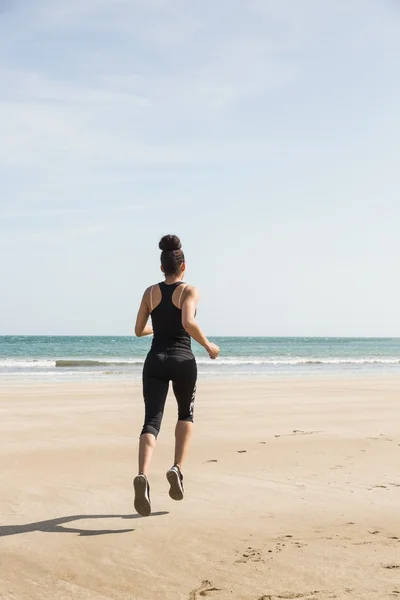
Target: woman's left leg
[[155, 390]]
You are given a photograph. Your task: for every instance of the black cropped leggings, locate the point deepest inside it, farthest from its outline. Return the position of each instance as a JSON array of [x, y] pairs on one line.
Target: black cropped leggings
[[159, 369]]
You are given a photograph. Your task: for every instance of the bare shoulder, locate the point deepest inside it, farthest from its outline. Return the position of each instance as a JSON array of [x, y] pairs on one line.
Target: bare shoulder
[[153, 287], [191, 291], [148, 291]]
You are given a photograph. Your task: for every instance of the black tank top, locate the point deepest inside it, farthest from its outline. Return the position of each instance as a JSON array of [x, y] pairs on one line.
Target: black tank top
[[169, 334]]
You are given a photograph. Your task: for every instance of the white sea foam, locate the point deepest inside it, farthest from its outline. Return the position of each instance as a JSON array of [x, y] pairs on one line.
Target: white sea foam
[[50, 364], [303, 361], [65, 363], [23, 363]]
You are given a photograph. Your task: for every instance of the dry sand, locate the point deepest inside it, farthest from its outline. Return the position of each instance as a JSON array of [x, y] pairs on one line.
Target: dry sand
[[292, 491]]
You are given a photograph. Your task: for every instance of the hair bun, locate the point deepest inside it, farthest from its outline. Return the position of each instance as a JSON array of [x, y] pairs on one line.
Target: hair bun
[[169, 243]]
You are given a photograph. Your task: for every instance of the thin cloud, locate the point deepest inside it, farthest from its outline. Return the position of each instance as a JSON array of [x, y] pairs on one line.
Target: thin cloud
[[33, 87], [42, 213], [60, 212], [151, 94], [163, 113], [54, 236], [60, 236]]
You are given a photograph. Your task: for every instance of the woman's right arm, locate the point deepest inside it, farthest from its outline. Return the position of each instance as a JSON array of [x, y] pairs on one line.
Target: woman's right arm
[[190, 325]]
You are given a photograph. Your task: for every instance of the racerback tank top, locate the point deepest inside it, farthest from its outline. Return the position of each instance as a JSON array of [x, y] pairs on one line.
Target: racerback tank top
[[169, 334]]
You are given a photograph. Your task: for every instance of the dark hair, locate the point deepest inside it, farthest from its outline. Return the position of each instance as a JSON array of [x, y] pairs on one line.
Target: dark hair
[[172, 256]]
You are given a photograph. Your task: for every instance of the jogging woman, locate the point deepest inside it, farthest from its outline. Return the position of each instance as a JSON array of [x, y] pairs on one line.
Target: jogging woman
[[172, 306]]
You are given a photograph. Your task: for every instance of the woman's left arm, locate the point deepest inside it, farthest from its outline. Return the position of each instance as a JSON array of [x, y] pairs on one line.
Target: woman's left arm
[[142, 327]]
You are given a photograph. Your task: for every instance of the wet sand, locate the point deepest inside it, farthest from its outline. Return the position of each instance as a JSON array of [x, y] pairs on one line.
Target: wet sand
[[292, 491]]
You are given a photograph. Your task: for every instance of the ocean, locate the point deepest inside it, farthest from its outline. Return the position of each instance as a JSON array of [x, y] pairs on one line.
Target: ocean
[[51, 358]]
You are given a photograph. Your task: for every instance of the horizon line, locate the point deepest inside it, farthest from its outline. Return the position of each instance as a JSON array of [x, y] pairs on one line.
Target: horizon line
[[110, 335]]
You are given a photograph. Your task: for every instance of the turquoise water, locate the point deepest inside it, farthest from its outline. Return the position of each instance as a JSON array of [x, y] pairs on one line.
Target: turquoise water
[[66, 358]]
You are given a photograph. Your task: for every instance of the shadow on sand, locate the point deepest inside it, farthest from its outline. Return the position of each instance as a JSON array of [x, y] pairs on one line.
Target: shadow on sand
[[56, 525]]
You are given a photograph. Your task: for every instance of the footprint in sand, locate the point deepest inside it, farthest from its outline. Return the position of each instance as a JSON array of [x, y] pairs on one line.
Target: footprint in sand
[[251, 555], [381, 437], [280, 546], [293, 596], [297, 432], [205, 589], [361, 543]]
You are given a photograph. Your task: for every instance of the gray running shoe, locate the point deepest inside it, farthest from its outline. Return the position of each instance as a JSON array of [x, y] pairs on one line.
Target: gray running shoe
[[142, 495], [175, 480]]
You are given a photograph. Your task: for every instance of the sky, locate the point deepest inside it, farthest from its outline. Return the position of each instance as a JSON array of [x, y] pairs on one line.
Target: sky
[[265, 133]]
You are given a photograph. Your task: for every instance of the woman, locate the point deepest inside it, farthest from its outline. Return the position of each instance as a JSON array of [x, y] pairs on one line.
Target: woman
[[172, 307]]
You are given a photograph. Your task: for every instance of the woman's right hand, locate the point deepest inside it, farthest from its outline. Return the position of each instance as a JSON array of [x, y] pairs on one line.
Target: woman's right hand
[[212, 350]]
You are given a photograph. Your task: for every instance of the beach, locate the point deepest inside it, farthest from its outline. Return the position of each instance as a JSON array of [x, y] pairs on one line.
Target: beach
[[292, 491]]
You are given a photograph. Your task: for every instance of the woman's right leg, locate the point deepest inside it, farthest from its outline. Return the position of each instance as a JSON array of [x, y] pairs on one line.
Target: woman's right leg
[[183, 434], [184, 386]]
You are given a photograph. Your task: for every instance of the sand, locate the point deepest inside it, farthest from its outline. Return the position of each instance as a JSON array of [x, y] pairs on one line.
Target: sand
[[292, 491]]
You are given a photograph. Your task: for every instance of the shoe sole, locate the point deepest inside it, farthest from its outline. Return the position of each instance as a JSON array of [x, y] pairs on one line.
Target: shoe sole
[[142, 504], [175, 491]]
